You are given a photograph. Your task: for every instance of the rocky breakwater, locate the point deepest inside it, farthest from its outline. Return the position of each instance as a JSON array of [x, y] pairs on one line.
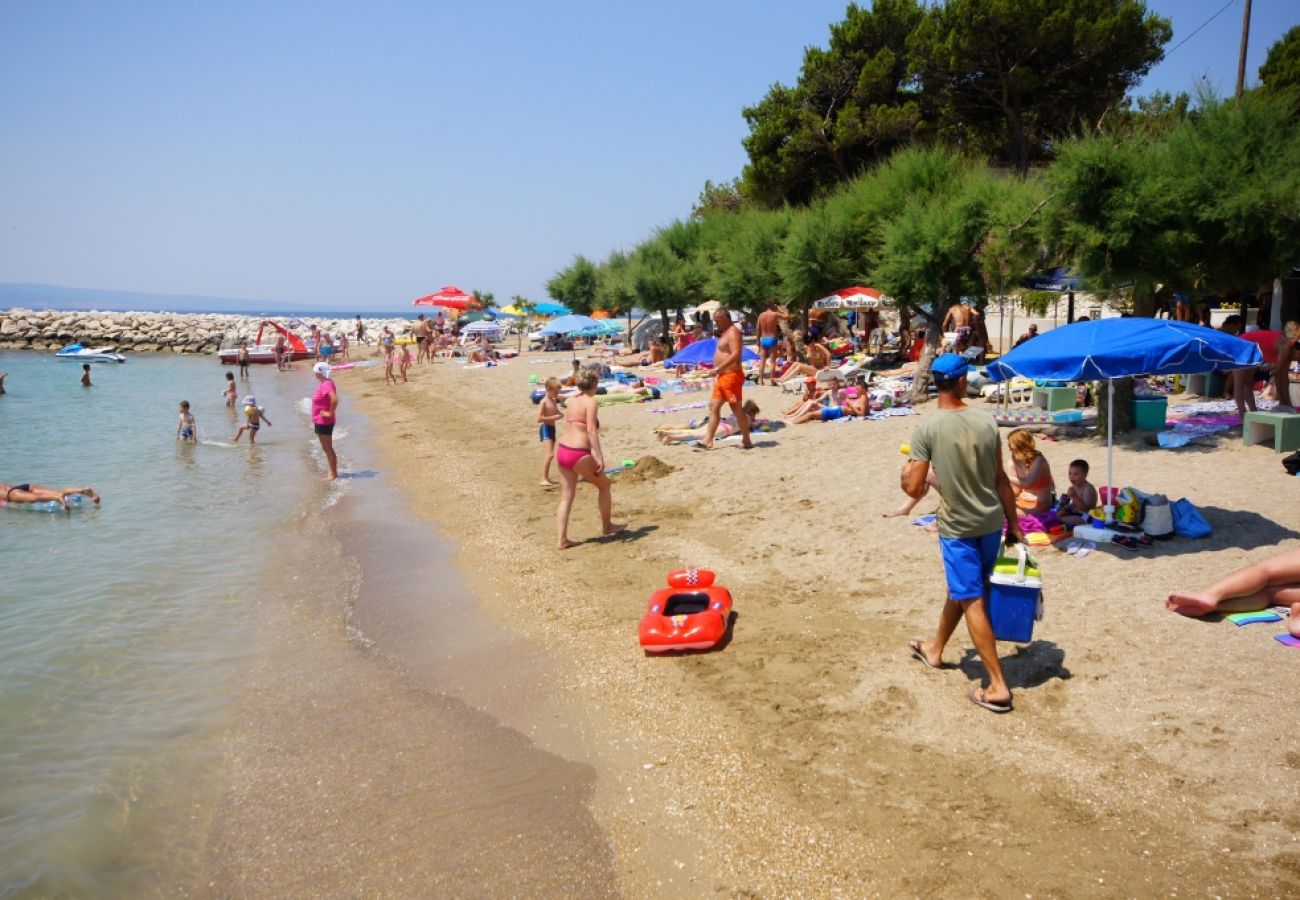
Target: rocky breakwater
[[147, 332]]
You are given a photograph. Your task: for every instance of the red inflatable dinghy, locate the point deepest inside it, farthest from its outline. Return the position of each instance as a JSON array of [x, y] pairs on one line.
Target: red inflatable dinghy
[[690, 614]]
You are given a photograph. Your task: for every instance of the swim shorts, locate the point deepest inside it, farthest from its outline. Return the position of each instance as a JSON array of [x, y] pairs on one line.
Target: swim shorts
[[767, 343], [546, 432], [729, 387], [968, 563], [830, 413], [324, 429]]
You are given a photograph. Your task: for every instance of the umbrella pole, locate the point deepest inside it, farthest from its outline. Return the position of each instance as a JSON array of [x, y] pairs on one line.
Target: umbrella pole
[[1110, 450]]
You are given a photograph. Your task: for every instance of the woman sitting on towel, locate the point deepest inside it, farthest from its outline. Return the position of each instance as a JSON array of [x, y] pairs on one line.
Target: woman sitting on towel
[[1030, 475], [818, 358], [685, 434]]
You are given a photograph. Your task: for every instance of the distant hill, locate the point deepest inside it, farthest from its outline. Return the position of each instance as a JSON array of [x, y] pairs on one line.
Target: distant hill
[[50, 296]]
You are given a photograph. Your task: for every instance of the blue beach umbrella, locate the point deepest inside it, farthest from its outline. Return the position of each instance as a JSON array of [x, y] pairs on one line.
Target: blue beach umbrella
[[569, 324], [1106, 349], [701, 353], [551, 309]]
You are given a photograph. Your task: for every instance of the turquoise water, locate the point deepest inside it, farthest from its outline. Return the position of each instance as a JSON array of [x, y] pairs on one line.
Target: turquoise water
[[123, 629]]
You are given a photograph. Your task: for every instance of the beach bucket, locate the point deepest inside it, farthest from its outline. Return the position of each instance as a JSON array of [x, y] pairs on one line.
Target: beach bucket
[[1015, 597]]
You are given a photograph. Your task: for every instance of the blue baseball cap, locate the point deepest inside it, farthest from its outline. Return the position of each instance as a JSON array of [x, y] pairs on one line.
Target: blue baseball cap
[[949, 367]]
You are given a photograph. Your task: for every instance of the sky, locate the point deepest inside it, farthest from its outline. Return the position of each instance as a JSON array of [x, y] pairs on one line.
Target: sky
[[358, 155]]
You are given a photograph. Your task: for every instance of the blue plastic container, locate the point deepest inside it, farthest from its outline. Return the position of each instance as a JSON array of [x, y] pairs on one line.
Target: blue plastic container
[[1013, 609]]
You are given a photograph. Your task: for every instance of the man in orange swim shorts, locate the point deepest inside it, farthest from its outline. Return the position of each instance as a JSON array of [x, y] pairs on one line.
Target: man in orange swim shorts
[[731, 379]]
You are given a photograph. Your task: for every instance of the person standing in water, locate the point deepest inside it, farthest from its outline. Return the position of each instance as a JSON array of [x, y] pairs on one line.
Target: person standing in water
[[85, 375], [186, 428], [255, 417], [324, 408]]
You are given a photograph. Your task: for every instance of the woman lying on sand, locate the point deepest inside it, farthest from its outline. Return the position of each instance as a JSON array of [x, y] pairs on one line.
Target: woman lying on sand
[[684, 434], [1274, 582], [39, 493]]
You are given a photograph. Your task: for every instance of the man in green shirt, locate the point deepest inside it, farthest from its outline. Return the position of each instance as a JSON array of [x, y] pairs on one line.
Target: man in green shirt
[[963, 446]]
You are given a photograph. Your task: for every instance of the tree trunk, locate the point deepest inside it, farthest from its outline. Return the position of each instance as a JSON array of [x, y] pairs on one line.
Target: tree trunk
[[921, 380], [1123, 406]]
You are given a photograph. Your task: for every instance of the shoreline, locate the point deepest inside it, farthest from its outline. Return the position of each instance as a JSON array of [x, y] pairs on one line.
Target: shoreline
[[811, 754]]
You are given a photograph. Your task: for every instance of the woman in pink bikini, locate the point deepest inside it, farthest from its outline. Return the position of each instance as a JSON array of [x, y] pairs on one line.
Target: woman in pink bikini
[[578, 454]]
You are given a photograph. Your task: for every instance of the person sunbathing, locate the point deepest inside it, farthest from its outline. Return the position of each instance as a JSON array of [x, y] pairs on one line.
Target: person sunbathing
[[827, 406], [727, 426], [1273, 582], [39, 493], [810, 394], [818, 358]]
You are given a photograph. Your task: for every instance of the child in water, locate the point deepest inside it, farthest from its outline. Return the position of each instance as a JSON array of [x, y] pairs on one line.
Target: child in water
[[231, 392], [85, 375], [243, 360], [186, 429], [548, 413], [255, 416]]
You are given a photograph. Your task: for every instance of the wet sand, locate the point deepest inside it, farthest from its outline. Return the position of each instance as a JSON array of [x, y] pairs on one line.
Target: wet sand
[[355, 767], [1148, 753]]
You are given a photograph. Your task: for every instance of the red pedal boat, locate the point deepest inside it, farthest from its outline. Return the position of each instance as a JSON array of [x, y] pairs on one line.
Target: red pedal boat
[[690, 614], [294, 348]]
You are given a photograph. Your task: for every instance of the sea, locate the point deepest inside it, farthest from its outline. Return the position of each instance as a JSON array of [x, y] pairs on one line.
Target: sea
[[190, 704]]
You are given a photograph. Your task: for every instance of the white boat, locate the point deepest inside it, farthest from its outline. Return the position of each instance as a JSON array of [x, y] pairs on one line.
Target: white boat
[[90, 354]]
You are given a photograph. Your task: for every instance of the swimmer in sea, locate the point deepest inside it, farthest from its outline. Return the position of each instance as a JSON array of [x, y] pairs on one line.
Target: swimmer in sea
[[255, 416], [39, 493], [85, 375], [187, 429]]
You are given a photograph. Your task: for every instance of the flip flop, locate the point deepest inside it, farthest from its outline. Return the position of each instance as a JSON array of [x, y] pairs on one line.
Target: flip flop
[[915, 646], [1084, 549], [976, 696], [1073, 547]]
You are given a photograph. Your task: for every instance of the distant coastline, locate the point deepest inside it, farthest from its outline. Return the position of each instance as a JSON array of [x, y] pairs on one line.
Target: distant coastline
[[56, 298]]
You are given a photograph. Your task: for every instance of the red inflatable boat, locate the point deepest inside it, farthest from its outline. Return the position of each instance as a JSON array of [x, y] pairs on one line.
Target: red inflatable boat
[[690, 614]]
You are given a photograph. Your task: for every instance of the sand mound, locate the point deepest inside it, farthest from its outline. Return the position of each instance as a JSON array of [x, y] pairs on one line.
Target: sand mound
[[647, 468]]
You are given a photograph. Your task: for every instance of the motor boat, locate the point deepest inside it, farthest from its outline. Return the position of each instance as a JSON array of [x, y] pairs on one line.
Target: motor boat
[[90, 354], [294, 347]]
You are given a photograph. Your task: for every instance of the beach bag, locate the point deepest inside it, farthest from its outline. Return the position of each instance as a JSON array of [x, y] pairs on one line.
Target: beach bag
[[1188, 521], [1291, 463], [1015, 596], [1158, 517]]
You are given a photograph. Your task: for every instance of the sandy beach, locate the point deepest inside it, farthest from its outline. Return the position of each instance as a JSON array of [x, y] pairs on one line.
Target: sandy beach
[[1147, 754]]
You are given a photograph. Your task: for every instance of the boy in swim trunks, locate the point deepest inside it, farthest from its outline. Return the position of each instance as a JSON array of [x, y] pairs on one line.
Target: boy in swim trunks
[[730, 380], [255, 416], [548, 413], [231, 393], [186, 429]]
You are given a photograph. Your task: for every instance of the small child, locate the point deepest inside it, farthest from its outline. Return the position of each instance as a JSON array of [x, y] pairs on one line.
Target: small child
[[255, 416], [405, 362], [231, 392], [391, 358], [548, 413], [85, 375], [1080, 498], [186, 429], [243, 360]]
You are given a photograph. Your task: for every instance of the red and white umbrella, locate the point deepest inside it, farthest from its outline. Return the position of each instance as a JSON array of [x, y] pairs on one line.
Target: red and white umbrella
[[854, 298], [450, 297]]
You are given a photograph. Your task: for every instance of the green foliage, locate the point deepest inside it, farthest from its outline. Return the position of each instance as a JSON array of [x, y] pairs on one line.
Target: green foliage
[[1281, 70], [1010, 77], [853, 105], [576, 285], [485, 299], [718, 198], [1147, 118], [1036, 303], [615, 293], [744, 271], [665, 272]]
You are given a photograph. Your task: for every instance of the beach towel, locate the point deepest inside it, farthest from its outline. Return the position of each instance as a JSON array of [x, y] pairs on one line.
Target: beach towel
[[1250, 618]]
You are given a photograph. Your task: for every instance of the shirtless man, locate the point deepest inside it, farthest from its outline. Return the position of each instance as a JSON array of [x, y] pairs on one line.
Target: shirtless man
[[421, 329], [769, 335], [1273, 582], [730, 380], [39, 493], [958, 317]]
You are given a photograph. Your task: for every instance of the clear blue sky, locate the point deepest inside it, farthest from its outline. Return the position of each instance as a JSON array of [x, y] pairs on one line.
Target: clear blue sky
[[359, 155]]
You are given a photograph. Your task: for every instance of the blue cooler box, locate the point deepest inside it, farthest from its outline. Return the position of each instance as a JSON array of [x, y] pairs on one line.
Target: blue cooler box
[[1015, 597]]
